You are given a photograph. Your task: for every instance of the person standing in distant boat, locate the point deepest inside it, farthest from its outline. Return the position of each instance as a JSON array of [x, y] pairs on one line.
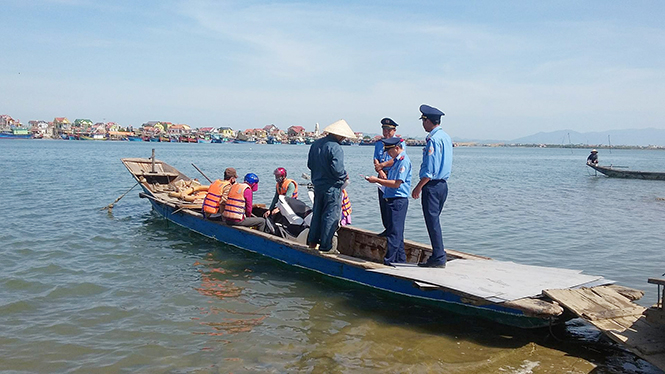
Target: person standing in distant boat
[[382, 164], [326, 161], [396, 198], [593, 158], [434, 172]]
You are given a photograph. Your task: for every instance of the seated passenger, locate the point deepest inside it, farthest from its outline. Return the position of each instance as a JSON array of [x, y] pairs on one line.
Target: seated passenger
[[238, 210], [285, 187], [218, 192]]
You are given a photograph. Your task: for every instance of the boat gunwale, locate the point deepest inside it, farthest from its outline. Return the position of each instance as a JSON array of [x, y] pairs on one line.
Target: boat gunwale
[[530, 307], [627, 174]]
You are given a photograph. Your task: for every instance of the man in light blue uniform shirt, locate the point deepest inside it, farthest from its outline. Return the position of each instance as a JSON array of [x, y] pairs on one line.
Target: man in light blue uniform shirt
[[397, 186], [382, 165], [434, 171]]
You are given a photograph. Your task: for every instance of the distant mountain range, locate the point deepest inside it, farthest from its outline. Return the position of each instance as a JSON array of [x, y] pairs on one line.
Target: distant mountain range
[[628, 137]]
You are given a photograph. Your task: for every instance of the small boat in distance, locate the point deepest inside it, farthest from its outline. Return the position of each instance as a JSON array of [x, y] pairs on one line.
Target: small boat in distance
[[614, 172], [16, 133]]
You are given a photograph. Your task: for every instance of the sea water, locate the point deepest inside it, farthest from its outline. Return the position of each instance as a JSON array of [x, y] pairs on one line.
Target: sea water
[[89, 290]]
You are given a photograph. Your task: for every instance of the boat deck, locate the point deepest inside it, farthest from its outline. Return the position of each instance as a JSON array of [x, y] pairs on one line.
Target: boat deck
[[496, 281]]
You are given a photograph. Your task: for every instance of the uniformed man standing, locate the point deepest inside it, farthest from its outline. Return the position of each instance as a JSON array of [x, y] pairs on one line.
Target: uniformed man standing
[[396, 198], [382, 164], [434, 171], [326, 161]]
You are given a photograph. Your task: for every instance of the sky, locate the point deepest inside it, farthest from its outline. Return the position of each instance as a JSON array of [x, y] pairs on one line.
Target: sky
[[497, 69]]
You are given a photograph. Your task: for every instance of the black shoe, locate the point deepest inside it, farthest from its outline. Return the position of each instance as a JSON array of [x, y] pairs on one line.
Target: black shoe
[[383, 233], [432, 264]]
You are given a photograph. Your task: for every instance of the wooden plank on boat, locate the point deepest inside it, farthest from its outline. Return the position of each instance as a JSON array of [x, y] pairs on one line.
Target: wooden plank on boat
[[601, 306], [620, 319], [498, 281]]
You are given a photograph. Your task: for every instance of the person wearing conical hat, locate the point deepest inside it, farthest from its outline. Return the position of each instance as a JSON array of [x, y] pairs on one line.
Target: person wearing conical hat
[[326, 162], [593, 158]]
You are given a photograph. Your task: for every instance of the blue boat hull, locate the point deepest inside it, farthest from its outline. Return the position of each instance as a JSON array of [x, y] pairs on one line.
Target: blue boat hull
[[304, 258], [14, 136]]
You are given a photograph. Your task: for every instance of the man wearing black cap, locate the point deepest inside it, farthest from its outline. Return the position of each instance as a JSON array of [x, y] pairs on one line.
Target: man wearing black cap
[[382, 164], [397, 186], [434, 171]]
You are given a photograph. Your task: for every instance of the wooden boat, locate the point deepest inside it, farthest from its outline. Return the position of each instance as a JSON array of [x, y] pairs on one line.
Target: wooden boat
[[629, 174], [504, 292]]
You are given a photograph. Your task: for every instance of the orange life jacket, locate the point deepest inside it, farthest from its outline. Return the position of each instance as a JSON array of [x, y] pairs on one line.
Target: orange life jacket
[[235, 204], [281, 189], [346, 204], [214, 196]]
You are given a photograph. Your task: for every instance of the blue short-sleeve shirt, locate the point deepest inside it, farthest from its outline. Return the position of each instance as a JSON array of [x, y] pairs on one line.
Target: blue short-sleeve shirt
[[437, 156], [401, 170], [381, 155]]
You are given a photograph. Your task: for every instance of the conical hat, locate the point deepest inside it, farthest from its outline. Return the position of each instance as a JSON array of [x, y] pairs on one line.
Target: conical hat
[[340, 128]]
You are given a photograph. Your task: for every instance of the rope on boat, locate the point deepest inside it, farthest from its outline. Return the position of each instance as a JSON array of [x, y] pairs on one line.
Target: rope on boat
[[552, 332], [110, 206]]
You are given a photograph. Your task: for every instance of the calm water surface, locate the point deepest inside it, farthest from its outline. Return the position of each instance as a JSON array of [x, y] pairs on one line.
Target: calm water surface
[[85, 290]]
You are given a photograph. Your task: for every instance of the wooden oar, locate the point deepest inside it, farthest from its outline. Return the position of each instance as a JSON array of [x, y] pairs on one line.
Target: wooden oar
[[206, 177], [110, 206]]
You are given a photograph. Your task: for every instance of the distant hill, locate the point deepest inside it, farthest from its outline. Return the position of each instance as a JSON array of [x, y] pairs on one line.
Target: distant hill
[[634, 137], [628, 137]]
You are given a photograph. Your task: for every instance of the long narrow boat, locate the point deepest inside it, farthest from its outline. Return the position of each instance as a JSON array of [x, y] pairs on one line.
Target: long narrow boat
[[629, 174], [504, 292]]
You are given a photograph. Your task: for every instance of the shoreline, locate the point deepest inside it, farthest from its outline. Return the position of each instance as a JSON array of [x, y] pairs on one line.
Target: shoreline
[[410, 142]]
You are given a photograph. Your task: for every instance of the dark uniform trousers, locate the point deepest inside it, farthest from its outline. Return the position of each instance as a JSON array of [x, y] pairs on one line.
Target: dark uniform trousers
[[396, 212], [383, 206], [434, 194]]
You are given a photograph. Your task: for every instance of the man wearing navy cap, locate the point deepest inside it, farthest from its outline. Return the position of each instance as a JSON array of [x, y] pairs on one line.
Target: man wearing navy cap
[[397, 185], [382, 164], [434, 171]]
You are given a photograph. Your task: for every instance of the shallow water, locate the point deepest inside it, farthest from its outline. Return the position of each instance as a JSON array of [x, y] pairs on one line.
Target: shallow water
[[88, 290]]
